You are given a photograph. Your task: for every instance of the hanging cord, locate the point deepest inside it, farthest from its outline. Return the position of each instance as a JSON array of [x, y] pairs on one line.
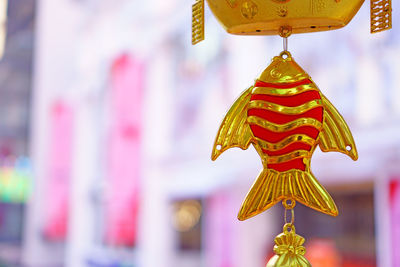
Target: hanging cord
[[285, 44]]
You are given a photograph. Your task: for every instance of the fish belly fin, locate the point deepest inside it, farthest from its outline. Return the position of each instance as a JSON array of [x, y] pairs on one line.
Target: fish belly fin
[[272, 186], [335, 134], [234, 130]]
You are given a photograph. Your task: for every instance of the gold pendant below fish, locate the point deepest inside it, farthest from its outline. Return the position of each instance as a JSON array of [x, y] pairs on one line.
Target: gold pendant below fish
[[289, 249]]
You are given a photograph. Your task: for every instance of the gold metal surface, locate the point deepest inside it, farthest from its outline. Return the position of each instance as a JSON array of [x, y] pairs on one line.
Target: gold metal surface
[[273, 186], [285, 142], [285, 31], [289, 249], [284, 17], [197, 22], [281, 71], [381, 15], [234, 130], [283, 92], [266, 17], [232, 3], [335, 134], [289, 156], [287, 110], [286, 126], [249, 9]]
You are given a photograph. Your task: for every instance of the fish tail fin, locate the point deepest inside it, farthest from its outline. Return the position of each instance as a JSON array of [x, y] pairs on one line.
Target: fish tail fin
[[272, 186]]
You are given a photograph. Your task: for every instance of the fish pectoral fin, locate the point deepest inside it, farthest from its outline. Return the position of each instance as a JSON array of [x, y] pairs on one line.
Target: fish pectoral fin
[[272, 186], [234, 130], [335, 134]]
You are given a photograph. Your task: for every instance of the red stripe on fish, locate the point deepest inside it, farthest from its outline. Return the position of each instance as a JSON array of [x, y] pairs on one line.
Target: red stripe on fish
[[285, 166], [282, 118], [292, 147], [316, 113], [274, 137], [289, 101]]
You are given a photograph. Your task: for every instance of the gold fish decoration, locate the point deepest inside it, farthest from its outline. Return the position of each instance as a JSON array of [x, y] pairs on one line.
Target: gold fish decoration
[[285, 117]]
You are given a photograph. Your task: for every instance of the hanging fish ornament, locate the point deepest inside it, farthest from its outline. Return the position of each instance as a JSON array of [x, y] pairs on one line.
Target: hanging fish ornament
[[284, 115]]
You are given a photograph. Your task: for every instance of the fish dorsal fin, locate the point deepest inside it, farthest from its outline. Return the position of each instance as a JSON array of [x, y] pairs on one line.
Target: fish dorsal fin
[[234, 130], [335, 134]]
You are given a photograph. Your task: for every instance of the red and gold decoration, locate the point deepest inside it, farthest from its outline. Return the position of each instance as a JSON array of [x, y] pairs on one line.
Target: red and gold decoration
[[284, 115]]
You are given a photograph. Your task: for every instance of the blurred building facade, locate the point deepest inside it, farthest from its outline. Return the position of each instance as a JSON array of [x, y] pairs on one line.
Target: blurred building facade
[[15, 92], [123, 115]]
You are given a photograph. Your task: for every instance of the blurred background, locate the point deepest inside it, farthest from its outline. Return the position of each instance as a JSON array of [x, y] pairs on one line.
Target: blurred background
[[107, 121]]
